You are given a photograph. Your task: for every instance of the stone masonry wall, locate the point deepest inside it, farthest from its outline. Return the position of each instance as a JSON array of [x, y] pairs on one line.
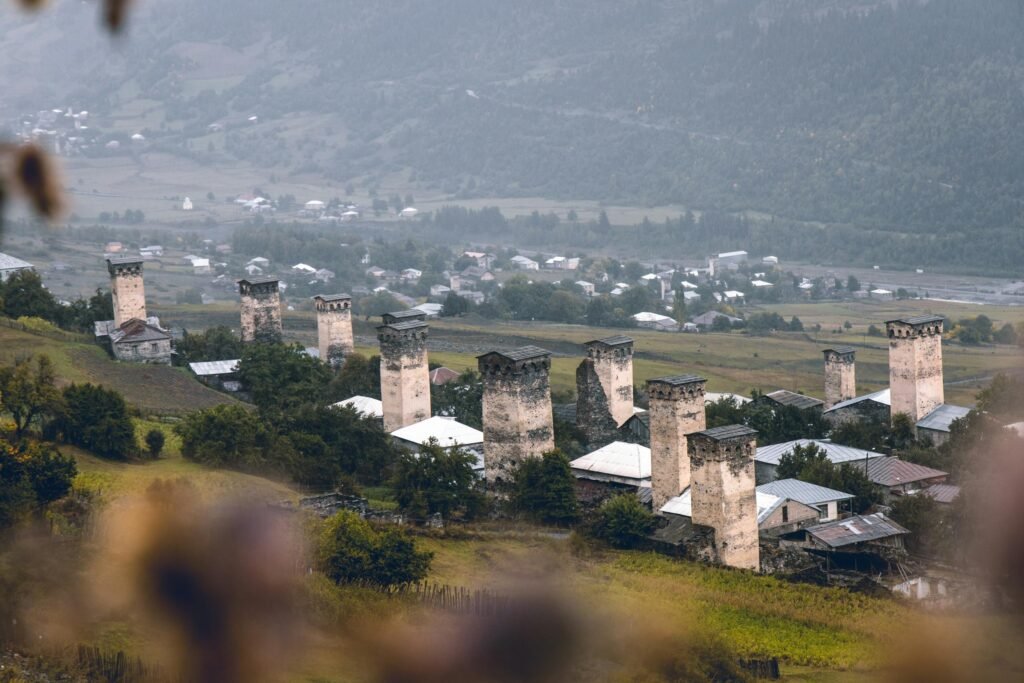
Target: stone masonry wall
[[593, 416], [614, 367], [840, 378], [675, 410], [516, 412], [723, 497], [261, 312], [334, 331], [128, 292], [404, 376], [915, 368]]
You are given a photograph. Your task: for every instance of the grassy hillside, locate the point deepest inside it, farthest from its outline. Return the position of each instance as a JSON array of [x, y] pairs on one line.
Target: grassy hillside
[[153, 389]]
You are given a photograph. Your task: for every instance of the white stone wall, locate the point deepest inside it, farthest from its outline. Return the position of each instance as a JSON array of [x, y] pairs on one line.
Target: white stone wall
[[404, 377], [724, 497], [840, 379], [334, 330], [674, 412], [128, 292], [915, 368]]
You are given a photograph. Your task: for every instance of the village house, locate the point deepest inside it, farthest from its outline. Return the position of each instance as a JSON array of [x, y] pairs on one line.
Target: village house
[[411, 275], [767, 458], [524, 263], [562, 263], [655, 321], [364, 405], [784, 397], [138, 341], [775, 515], [873, 407], [615, 468], [219, 374], [707, 319], [447, 432], [439, 291], [828, 503], [9, 265], [482, 259], [151, 252], [858, 542], [895, 477], [587, 287]]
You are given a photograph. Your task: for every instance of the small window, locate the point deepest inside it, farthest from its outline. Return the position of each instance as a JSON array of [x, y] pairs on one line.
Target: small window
[[154, 347], [785, 514]]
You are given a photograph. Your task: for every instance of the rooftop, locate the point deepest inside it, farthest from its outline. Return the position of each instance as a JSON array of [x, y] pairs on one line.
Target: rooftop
[[397, 316], [917, 320], [943, 493], [620, 461], [135, 331], [856, 529], [891, 471], [844, 350], [683, 504], [125, 259], [447, 431], [364, 405], [214, 367], [834, 452], [729, 432], [406, 325], [677, 380], [791, 398], [522, 353], [803, 492], [942, 418], [615, 340], [883, 397], [259, 280], [8, 262], [333, 297]]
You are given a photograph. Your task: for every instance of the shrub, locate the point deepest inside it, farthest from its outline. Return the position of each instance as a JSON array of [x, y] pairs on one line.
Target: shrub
[[545, 489], [622, 521], [437, 480], [154, 442], [96, 419], [223, 436], [351, 550]]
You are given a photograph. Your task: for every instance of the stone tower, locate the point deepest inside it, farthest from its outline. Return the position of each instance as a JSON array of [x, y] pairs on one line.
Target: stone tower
[[517, 408], [404, 374], [915, 365], [840, 375], [334, 327], [261, 309], [127, 289], [723, 493], [676, 409], [613, 362]]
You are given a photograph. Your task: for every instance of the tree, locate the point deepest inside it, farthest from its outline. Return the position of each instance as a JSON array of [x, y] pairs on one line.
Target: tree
[[922, 517], [351, 550], [462, 398], [28, 393], [224, 436], [810, 463], [31, 477], [622, 521], [679, 307], [1005, 335], [852, 284], [214, 343], [544, 489], [795, 325], [437, 480], [96, 419], [359, 376], [23, 294], [282, 376], [154, 442], [454, 305]]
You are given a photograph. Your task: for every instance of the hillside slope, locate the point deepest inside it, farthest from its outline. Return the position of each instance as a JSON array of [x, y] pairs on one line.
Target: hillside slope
[[897, 115]]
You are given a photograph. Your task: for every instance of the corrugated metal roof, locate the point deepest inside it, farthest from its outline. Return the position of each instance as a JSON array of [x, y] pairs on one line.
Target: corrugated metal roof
[[942, 417], [136, 331], [943, 493], [892, 471], [728, 432], [214, 367], [623, 461], [715, 397], [447, 431], [677, 380], [683, 504], [803, 492], [614, 340], [791, 398], [834, 452], [917, 319], [8, 262], [883, 397], [856, 529], [364, 405]]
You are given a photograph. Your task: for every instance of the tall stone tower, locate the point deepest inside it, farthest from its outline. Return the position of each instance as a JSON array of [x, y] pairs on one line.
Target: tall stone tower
[[840, 375], [334, 327], [676, 410], [517, 408], [404, 374], [613, 362], [261, 309], [723, 493], [126, 288], [915, 365]]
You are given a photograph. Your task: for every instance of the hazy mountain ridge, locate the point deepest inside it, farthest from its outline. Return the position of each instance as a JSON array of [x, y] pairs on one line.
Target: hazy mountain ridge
[[902, 115]]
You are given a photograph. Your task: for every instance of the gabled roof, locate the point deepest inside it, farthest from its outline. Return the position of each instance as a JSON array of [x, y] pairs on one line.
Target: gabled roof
[[856, 529], [883, 397], [8, 262], [364, 405], [803, 492], [677, 380], [917, 319], [943, 493], [728, 432], [447, 431], [683, 504], [836, 453], [840, 349], [522, 353], [791, 398], [333, 297], [942, 417], [135, 331], [259, 280], [442, 375], [214, 367], [614, 340], [891, 471], [618, 461]]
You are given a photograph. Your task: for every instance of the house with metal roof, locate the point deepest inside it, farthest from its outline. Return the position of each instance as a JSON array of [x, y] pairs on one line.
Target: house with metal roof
[[784, 397], [9, 265], [138, 341], [943, 494], [775, 514], [618, 462], [364, 405], [827, 502], [867, 408], [447, 432], [896, 477], [858, 534], [766, 460], [936, 425]]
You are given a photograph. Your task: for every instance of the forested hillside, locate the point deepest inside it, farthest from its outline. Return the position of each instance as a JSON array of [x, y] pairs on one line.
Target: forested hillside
[[902, 116]]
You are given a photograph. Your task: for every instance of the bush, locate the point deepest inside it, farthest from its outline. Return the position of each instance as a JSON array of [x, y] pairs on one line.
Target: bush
[[351, 550], [154, 442], [622, 521], [31, 477], [96, 419], [544, 489], [437, 480], [224, 436]]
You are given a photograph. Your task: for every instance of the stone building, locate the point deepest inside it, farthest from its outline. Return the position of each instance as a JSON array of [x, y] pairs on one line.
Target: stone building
[[915, 365], [404, 373], [517, 413], [723, 491], [592, 415], [840, 375], [612, 358], [334, 327], [261, 309], [138, 341], [126, 288], [676, 410]]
